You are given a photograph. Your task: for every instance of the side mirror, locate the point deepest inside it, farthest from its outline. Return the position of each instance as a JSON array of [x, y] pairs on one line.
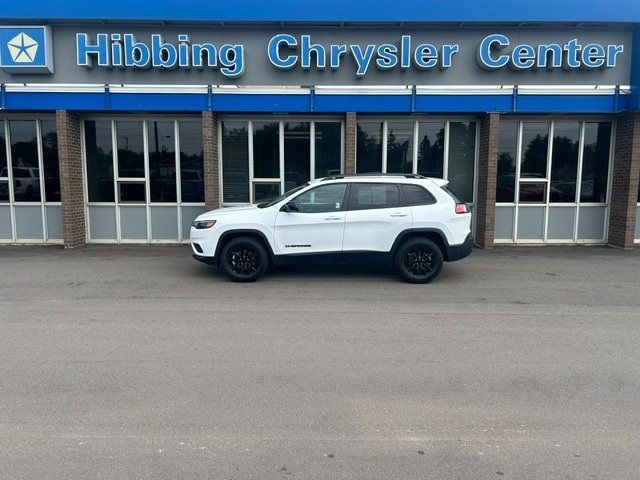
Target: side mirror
[[289, 207]]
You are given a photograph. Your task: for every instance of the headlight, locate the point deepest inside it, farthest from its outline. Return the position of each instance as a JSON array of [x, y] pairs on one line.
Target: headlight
[[202, 224]]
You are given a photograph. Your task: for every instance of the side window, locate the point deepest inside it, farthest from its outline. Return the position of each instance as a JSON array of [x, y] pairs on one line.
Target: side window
[[368, 196], [416, 195], [326, 198]]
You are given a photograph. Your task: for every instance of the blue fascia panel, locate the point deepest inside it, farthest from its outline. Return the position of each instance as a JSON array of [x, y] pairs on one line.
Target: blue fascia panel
[[257, 102], [362, 103], [283, 103], [158, 102], [53, 101], [566, 103], [627, 11], [463, 103]]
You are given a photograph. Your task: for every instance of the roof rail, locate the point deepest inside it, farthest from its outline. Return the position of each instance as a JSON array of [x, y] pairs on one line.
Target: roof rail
[[372, 174]]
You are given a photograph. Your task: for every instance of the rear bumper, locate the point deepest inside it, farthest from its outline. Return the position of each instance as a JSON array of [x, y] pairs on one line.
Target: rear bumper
[[203, 259], [458, 252]]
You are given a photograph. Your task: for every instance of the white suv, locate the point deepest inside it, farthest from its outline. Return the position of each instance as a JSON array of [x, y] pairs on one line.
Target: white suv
[[410, 222]]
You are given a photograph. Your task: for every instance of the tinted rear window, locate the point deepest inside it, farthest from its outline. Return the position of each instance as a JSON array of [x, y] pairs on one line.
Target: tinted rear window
[[453, 195], [417, 195]]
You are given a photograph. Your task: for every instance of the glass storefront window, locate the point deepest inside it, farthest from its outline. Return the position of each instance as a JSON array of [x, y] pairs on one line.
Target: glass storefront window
[[400, 147], [50, 160], [24, 160], [369, 147], [130, 149], [533, 192], [507, 154], [328, 148], [564, 162], [265, 191], [162, 161], [297, 154], [131, 192], [595, 162], [431, 149], [535, 144], [266, 150], [99, 156], [191, 161], [462, 148], [235, 161]]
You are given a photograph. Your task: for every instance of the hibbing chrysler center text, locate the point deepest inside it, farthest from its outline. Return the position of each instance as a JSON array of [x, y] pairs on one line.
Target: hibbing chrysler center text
[[410, 222]]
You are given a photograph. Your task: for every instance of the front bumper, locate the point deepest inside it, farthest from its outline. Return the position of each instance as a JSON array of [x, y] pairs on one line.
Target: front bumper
[[203, 259], [458, 252]]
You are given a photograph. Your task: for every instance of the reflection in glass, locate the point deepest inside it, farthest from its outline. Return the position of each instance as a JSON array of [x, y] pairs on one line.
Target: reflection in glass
[[369, 147], [4, 191], [3, 152], [328, 148], [130, 149], [235, 162], [162, 161], [266, 150], [462, 149], [368, 196], [191, 161], [595, 162], [50, 160], [535, 140], [98, 152], [564, 162], [431, 149], [507, 154], [24, 157], [326, 198], [400, 147], [297, 153], [263, 192], [533, 192], [131, 192]]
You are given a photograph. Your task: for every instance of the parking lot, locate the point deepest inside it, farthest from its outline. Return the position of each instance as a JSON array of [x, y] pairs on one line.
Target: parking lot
[[139, 362]]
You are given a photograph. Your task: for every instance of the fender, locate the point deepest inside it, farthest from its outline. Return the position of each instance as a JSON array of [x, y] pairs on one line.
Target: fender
[[241, 231], [409, 232]]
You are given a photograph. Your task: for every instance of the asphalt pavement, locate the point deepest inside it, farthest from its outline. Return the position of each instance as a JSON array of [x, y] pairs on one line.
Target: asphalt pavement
[[136, 362]]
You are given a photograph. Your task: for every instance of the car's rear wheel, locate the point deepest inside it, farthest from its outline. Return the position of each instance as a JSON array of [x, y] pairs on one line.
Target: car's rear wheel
[[418, 260], [244, 259]]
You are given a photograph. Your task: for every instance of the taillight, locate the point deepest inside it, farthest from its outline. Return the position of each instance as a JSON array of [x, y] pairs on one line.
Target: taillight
[[462, 208]]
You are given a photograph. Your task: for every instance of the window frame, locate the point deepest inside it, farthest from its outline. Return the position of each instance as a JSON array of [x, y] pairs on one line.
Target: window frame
[[43, 203], [578, 204], [182, 236], [281, 120]]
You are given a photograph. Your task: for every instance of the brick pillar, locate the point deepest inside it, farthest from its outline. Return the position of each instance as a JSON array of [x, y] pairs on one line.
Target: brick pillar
[[624, 183], [485, 209], [211, 160], [71, 179], [350, 143]]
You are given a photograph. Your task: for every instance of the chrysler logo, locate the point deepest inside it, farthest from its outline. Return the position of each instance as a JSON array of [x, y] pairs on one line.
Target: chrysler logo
[[22, 48]]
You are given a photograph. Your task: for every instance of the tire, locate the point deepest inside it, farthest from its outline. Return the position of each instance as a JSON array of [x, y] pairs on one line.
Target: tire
[[418, 260], [244, 259]]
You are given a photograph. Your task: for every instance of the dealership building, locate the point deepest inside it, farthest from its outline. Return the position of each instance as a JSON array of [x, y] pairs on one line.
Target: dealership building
[[122, 121]]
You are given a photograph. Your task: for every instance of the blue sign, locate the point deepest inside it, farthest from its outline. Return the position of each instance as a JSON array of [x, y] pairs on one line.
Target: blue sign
[[26, 49]]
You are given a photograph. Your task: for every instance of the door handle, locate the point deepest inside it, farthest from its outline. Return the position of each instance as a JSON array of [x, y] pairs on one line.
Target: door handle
[[333, 218], [398, 214]]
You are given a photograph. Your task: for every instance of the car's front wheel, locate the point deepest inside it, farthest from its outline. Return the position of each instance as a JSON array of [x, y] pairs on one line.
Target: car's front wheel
[[418, 260], [244, 259]]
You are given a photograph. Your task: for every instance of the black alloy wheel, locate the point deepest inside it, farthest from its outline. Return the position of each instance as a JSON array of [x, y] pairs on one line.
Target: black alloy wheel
[[244, 259], [419, 260]]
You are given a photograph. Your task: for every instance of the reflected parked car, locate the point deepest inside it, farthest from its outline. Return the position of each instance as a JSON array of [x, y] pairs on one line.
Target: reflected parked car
[[26, 183]]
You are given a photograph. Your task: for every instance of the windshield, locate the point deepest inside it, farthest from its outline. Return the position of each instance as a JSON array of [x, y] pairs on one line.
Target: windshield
[[271, 203]]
